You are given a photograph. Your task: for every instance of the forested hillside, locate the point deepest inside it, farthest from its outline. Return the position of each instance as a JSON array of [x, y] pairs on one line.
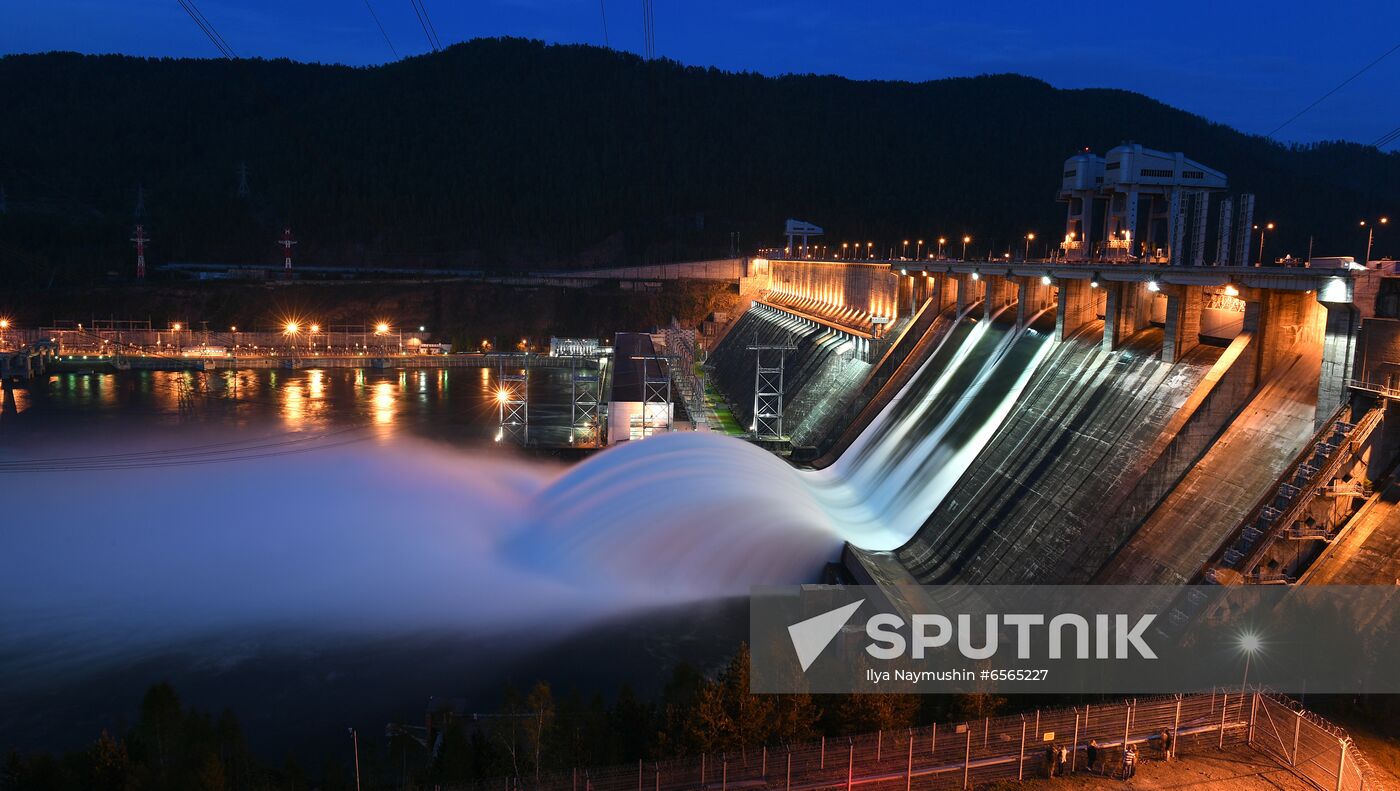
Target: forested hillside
[[513, 154]]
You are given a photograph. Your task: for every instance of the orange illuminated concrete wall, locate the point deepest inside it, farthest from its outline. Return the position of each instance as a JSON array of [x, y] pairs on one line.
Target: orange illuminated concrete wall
[[866, 289]]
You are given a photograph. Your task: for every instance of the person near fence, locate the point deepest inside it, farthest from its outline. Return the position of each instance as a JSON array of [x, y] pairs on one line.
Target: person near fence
[[1166, 745], [1050, 753], [1062, 760], [1092, 755], [1129, 762]]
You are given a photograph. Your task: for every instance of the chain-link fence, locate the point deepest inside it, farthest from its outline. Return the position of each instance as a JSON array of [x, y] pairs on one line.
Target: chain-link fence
[[1309, 746], [977, 752]]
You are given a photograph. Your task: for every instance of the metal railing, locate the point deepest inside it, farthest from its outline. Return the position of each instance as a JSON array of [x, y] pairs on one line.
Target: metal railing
[[1374, 388], [1284, 504]]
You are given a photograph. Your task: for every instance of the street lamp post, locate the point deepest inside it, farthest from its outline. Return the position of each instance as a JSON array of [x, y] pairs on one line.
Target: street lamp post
[[942, 240], [1030, 237], [1371, 236], [966, 239], [1267, 227], [869, 250], [1249, 646], [291, 331], [355, 738], [233, 331], [919, 251], [844, 252], [904, 251]]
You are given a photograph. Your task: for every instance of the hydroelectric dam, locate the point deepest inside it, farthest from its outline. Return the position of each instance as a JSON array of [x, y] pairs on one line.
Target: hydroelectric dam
[[1012, 422]]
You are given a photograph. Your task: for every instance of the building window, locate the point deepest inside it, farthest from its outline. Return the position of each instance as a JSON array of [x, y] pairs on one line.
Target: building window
[[1156, 173]]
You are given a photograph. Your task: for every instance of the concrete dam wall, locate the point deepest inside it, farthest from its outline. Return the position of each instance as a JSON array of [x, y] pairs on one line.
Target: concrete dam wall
[[861, 290], [1051, 429], [1073, 446]]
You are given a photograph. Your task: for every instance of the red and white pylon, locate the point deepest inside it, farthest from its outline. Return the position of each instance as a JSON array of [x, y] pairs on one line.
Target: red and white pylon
[[140, 239], [286, 242]]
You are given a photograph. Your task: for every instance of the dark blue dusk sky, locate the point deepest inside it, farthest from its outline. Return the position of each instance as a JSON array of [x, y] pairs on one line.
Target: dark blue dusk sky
[[1250, 65]]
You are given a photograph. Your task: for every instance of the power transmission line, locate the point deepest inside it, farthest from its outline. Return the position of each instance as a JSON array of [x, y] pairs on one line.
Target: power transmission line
[[437, 42], [603, 7], [648, 30], [382, 31], [1387, 138], [208, 28], [199, 22], [1339, 86], [429, 32]]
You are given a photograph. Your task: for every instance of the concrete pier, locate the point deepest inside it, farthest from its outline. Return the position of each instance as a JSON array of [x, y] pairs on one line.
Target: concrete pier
[[1341, 331], [1033, 295], [1077, 304], [999, 292], [1126, 310], [969, 290], [1182, 329]]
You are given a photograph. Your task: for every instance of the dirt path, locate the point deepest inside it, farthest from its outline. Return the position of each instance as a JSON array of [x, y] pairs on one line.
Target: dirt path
[[1235, 769]]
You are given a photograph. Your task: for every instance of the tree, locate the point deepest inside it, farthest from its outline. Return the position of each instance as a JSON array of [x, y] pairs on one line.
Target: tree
[[111, 766], [795, 718], [750, 715], [710, 728], [211, 776], [159, 727], [678, 701], [539, 705], [632, 725], [865, 713]]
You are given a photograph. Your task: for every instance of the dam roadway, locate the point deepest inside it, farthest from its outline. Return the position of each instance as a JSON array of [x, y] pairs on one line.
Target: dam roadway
[[1062, 422]]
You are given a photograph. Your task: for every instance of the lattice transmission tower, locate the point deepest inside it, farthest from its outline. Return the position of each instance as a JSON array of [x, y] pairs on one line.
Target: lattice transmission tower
[[768, 389]]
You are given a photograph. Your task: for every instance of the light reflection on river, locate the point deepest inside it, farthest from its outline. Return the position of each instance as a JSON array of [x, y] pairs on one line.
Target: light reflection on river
[[456, 406]]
